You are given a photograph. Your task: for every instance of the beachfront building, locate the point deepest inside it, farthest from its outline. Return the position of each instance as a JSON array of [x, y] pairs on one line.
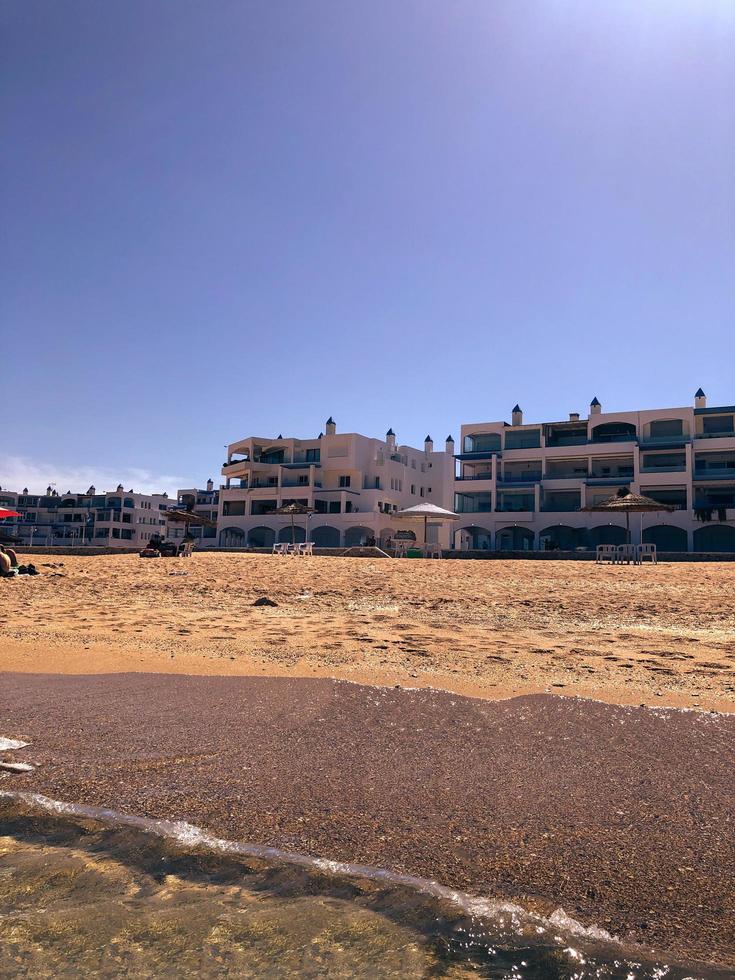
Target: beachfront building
[[116, 519], [522, 486], [355, 485], [204, 503]]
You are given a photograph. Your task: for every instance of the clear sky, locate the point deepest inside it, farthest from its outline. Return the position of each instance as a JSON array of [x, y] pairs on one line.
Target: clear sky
[[232, 217]]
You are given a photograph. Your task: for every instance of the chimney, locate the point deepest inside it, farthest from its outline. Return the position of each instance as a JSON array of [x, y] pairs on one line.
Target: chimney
[[595, 406], [700, 399], [331, 427], [210, 484], [574, 416], [428, 445], [390, 438], [449, 448], [517, 416]]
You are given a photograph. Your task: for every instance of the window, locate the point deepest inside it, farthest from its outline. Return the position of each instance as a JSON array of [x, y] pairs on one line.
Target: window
[[344, 481], [313, 455], [413, 489], [718, 423], [422, 491], [303, 481], [413, 464], [377, 483], [334, 506], [666, 427]]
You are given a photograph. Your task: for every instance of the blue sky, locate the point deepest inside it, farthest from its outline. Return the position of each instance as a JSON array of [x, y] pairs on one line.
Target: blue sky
[[233, 218]]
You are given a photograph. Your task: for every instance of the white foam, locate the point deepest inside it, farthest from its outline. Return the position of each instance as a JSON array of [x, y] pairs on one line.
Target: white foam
[[193, 836]]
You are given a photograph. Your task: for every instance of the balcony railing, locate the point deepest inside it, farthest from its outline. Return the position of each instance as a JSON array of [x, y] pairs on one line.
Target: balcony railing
[[665, 468], [608, 481], [714, 473], [530, 477], [664, 441], [476, 476]]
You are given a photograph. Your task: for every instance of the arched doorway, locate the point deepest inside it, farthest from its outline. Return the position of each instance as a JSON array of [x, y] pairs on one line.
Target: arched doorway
[[261, 537], [357, 536], [514, 539], [561, 537], [325, 536], [478, 538], [285, 535], [232, 537], [606, 534], [666, 537], [714, 537]]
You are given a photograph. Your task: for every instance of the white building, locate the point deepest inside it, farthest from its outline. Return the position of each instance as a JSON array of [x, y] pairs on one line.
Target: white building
[[117, 519], [355, 485], [521, 486]]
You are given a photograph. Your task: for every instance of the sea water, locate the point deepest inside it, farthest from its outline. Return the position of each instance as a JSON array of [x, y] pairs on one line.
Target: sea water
[[85, 892]]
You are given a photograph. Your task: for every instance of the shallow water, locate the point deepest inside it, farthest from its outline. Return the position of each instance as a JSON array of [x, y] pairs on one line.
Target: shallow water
[[106, 895]]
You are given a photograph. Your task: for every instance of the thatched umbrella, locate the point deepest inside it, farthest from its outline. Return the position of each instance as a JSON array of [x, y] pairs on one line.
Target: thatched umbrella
[[292, 510], [427, 511], [187, 517], [626, 502]]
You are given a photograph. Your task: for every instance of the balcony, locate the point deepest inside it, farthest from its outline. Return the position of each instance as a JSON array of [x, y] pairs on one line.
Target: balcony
[[519, 479], [608, 480], [480, 454], [476, 476], [714, 473], [665, 442]]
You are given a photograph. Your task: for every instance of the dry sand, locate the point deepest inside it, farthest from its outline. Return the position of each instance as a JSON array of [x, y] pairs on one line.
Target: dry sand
[[660, 635]]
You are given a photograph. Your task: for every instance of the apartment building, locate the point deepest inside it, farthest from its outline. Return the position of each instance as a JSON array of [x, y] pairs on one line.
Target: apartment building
[[204, 503], [355, 485], [118, 518], [521, 486]]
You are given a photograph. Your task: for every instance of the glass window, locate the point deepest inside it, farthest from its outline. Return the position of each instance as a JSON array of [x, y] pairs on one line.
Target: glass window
[[718, 423], [344, 481], [666, 427]]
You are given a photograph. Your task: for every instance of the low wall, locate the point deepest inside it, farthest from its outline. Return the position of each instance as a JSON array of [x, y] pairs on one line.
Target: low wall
[[663, 556]]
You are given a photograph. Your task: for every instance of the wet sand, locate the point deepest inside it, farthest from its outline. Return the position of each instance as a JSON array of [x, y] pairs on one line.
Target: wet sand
[[623, 816], [651, 635]]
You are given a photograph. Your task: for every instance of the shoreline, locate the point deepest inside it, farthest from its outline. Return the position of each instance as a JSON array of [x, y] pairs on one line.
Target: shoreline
[[544, 801]]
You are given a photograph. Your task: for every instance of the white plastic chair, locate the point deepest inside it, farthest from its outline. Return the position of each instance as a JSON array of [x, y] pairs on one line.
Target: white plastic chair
[[627, 553], [432, 551], [605, 552], [647, 551], [280, 549]]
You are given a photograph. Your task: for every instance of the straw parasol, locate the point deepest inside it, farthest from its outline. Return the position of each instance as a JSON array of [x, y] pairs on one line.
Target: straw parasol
[[291, 510], [427, 512], [626, 502], [187, 517]]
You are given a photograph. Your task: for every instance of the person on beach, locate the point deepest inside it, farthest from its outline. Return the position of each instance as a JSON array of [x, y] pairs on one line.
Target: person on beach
[[9, 564]]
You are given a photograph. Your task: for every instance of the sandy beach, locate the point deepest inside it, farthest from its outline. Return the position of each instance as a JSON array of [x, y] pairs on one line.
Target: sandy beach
[[552, 765], [659, 635]]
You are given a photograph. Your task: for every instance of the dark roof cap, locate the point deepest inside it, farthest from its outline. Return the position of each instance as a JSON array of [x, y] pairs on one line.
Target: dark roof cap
[[428, 439], [516, 408], [330, 420], [594, 401], [699, 393], [449, 438], [390, 432]]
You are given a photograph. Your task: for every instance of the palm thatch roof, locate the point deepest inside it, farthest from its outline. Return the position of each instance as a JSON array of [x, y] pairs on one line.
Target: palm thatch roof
[[294, 508], [626, 502], [189, 517]]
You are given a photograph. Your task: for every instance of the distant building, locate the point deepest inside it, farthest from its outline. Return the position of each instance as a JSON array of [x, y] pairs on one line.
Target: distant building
[[204, 503], [521, 486], [354, 483], [118, 519]]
